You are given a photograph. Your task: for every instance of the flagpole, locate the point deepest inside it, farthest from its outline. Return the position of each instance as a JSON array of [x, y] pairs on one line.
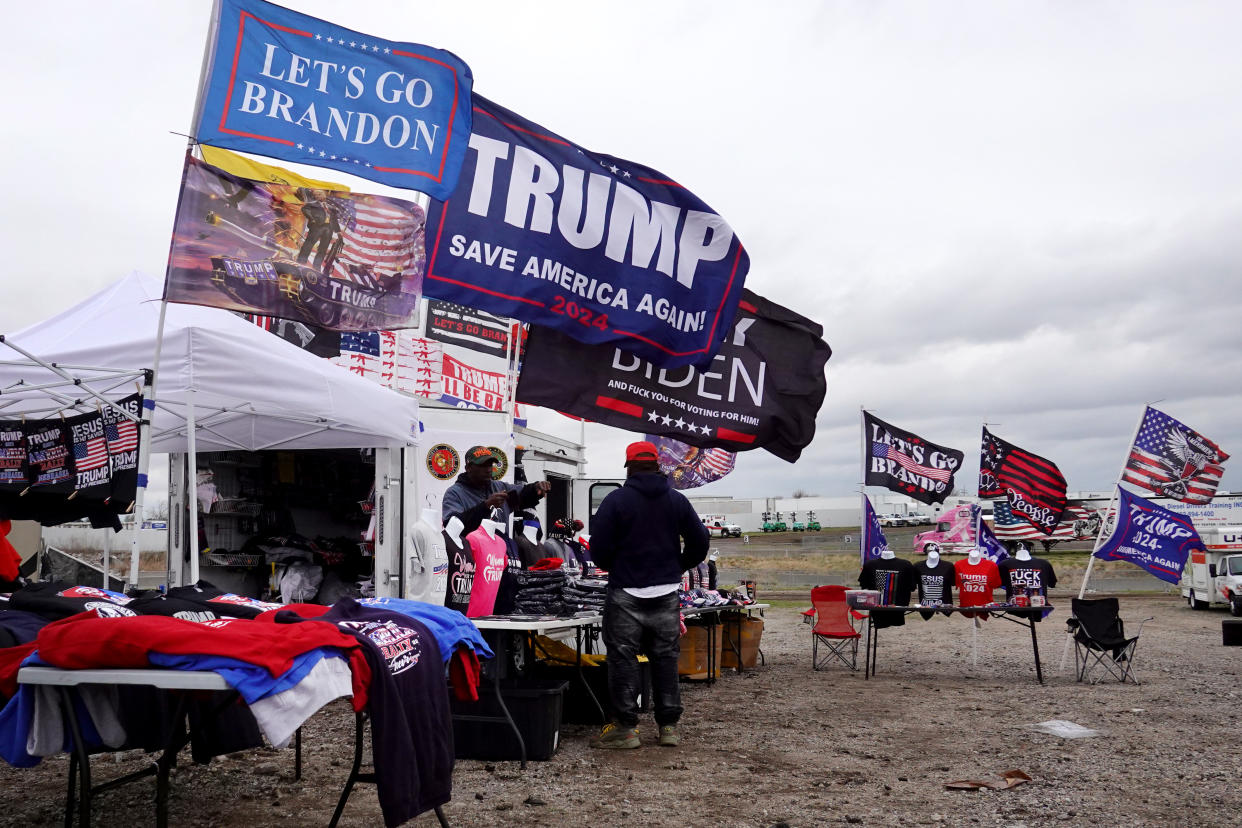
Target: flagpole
[[862, 488], [1099, 534]]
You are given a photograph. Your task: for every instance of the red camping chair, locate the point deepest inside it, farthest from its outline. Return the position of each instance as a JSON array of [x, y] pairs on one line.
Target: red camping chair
[[834, 628]]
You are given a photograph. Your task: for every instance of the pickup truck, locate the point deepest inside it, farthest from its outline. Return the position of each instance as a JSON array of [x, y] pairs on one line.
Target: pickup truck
[[893, 520], [721, 528], [918, 519]]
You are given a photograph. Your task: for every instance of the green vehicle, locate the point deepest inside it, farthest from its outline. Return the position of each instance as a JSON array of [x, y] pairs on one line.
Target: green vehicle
[[797, 527], [812, 525], [769, 525], [780, 524]]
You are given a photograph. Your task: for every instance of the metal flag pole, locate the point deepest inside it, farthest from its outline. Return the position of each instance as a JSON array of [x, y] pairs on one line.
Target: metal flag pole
[[862, 489], [144, 458], [192, 485], [1100, 533]]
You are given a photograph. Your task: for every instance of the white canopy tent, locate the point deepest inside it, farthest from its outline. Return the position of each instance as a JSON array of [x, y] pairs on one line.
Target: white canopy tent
[[222, 383]]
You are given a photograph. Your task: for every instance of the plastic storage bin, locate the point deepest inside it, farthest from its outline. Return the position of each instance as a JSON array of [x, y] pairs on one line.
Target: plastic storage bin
[[480, 730]]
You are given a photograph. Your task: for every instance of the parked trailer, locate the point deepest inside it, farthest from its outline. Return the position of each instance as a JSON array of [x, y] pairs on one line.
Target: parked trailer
[[1213, 575]]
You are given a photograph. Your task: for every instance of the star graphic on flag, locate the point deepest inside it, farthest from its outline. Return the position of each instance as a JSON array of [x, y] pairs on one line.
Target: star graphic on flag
[[625, 174], [666, 420], [681, 423], [333, 157], [376, 49], [318, 37], [312, 150], [652, 417], [300, 146], [330, 40], [322, 153], [613, 168], [386, 50], [706, 431], [353, 43]]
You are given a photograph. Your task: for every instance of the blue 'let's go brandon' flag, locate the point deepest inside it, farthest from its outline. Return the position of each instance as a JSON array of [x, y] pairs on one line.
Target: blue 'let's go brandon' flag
[[605, 250], [293, 87]]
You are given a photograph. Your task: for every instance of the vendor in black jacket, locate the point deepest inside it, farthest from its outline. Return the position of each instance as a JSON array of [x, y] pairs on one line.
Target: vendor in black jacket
[[476, 494], [637, 536]]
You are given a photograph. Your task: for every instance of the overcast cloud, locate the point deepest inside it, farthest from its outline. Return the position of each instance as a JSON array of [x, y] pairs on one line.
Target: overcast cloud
[[1022, 213]]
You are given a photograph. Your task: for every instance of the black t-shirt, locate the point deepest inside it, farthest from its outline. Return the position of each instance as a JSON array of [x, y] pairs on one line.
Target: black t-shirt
[[935, 584], [460, 573], [174, 607], [1036, 576], [895, 579], [55, 600], [223, 604], [411, 728]]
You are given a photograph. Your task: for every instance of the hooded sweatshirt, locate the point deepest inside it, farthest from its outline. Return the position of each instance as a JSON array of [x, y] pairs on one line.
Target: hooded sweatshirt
[[637, 534]]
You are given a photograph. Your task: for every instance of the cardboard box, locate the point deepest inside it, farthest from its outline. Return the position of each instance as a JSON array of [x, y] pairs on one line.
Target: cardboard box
[[692, 663], [748, 645]]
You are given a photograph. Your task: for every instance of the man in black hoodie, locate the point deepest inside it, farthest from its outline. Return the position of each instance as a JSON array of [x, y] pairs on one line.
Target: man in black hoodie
[[637, 536]]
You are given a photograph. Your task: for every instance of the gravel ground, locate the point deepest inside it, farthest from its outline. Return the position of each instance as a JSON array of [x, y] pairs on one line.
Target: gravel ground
[[783, 744]]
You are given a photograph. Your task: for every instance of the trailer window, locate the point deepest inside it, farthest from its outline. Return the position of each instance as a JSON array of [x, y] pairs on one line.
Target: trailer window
[[1235, 566], [598, 492]]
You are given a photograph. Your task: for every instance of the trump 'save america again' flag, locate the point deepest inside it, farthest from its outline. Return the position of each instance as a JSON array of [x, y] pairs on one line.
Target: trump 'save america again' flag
[[1172, 460], [904, 462], [1152, 537], [1033, 486]]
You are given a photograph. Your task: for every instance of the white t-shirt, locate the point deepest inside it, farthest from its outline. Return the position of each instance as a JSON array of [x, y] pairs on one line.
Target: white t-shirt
[[427, 574], [651, 591]]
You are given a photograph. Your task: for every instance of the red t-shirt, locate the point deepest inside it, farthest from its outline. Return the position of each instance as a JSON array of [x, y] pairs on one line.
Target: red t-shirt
[[975, 582]]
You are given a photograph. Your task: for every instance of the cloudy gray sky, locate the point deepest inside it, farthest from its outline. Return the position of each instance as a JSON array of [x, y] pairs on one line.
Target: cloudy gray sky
[[1025, 213]]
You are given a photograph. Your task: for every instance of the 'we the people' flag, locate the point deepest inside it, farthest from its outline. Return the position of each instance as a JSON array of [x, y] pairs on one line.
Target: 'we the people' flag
[[1152, 537], [293, 87], [872, 541], [904, 462], [1173, 460], [1077, 523], [1033, 486], [341, 261], [604, 250]]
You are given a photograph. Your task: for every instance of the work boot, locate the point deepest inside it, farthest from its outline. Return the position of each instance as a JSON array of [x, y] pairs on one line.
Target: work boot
[[668, 736], [617, 737]]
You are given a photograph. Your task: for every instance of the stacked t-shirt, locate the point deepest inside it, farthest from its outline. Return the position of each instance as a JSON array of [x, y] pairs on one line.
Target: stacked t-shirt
[[895, 579]]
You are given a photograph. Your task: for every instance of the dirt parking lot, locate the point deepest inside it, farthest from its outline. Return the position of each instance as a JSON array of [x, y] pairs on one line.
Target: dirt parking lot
[[784, 744]]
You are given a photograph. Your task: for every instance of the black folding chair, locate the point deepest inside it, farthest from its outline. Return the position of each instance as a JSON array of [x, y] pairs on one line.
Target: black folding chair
[[1100, 642]]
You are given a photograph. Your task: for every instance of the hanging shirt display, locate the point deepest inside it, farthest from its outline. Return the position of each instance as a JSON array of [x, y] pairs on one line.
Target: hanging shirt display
[[460, 573], [490, 560], [426, 579], [894, 579], [935, 584], [1029, 578], [975, 582]]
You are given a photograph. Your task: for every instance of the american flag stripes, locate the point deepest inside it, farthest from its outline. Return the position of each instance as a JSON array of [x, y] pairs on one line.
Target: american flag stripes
[[1173, 460], [690, 466], [91, 454], [1033, 486], [121, 436], [1076, 524], [378, 238], [889, 452]]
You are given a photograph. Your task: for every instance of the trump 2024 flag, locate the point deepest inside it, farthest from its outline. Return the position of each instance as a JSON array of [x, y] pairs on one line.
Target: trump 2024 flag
[[1152, 537], [1033, 486], [1173, 460], [604, 250], [293, 87], [872, 540], [904, 462]]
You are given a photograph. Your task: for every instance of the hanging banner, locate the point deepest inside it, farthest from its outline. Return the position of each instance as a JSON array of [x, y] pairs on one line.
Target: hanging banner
[[477, 388], [122, 435], [1151, 537], [603, 250], [468, 328], [13, 466], [904, 462], [763, 390], [341, 261], [689, 467], [91, 464], [290, 86], [50, 453], [243, 166]]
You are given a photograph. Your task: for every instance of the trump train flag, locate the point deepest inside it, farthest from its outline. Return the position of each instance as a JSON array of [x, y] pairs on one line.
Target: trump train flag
[[1152, 537], [986, 540], [290, 86], [1033, 486], [604, 250], [904, 462], [340, 261], [763, 390], [1173, 460]]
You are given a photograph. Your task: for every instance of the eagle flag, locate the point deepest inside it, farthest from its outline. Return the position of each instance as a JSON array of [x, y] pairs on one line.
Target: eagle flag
[[1151, 537], [904, 462], [604, 250], [1173, 460], [1033, 486]]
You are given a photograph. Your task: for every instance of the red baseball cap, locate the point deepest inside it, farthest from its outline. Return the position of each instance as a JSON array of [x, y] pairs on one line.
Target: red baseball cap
[[642, 450]]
